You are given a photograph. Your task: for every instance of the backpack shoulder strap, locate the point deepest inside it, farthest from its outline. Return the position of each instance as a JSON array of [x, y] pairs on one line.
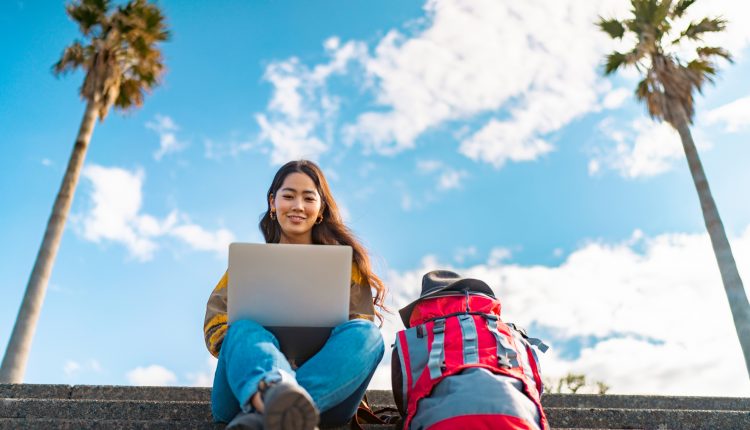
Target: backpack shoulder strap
[[543, 347], [436, 357], [506, 355]]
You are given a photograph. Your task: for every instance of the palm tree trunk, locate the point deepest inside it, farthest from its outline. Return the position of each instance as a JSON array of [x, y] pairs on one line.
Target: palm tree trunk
[[733, 286], [16, 355]]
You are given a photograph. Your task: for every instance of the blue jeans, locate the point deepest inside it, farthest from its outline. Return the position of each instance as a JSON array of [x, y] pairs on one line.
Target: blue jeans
[[336, 377]]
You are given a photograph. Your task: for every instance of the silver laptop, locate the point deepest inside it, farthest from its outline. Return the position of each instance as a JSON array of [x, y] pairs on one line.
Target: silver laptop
[[298, 292]]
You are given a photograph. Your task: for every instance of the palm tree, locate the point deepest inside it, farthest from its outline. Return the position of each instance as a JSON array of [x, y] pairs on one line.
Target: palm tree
[[667, 89], [122, 63]]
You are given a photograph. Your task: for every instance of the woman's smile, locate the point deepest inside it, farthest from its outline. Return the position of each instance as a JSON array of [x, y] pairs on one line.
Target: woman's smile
[[297, 218]]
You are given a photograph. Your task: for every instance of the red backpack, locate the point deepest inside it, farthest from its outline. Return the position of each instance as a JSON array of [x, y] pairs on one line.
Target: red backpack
[[458, 365]]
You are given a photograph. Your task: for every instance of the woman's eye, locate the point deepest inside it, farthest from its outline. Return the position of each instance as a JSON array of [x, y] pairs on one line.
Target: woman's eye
[[310, 199]]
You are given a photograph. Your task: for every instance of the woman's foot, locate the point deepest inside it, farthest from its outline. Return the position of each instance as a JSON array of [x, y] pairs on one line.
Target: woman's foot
[[246, 421], [287, 406]]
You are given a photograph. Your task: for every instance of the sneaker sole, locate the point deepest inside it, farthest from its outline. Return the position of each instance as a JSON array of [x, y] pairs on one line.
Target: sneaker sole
[[291, 410]]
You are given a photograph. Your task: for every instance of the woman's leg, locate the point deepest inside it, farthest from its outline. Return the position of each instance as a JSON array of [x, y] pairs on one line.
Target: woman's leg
[[224, 405], [344, 411], [344, 365], [249, 354]]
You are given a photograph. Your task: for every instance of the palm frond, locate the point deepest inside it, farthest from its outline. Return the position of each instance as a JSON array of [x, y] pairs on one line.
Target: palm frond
[[660, 13], [643, 89], [146, 72], [706, 52], [649, 12], [696, 29], [680, 8], [132, 94], [640, 15], [89, 14], [613, 27], [641, 9], [631, 25], [73, 57], [702, 69], [649, 92], [613, 62]]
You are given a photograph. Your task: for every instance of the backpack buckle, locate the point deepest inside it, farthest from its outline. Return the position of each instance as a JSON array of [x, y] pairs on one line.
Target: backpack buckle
[[503, 361]]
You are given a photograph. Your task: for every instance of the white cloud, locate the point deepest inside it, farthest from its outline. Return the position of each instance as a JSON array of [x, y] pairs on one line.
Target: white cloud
[[203, 378], [735, 115], [646, 149], [500, 141], [153, 375], [203, 240], [216, 150], [428, 166], [451, 179], [523, 72], [291, 140], [301, 110], [73, 369], [166, 128], [116, 216], [46, 162], [448, 178], [594, 167], [367, 168], [616, 98], [462, 254], [346, 214], [498, 255], [536, 59], [407, 203], [650, 306]]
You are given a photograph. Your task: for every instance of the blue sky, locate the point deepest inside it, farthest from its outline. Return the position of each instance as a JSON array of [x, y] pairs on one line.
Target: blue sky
[[478, 136]]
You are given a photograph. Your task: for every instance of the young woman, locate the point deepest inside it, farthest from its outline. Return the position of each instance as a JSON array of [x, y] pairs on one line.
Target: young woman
[[255, 387]]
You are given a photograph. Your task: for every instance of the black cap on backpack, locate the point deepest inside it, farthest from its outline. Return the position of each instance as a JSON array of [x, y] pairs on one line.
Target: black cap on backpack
[[443, 282]]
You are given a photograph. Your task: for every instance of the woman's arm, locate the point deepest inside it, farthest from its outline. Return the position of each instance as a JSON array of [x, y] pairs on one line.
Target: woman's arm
[[215, 324]]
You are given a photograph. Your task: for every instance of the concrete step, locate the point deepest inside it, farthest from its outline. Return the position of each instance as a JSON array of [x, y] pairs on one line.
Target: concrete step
[[109, 392], [380, 398], [83, 424], [587, 418], [105, 409], [377, 397], [614, 401], [62, 406], [86, 424], [186, 413]]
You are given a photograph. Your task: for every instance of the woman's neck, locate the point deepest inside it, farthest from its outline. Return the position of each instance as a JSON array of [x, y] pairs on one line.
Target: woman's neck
[[296, 240]]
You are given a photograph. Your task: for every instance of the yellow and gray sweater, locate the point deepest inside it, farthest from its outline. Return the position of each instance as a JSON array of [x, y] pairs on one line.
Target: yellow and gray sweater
[[215, 324]]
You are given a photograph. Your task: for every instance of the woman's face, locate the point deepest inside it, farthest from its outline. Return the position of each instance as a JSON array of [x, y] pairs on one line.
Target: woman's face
[[297, 207]]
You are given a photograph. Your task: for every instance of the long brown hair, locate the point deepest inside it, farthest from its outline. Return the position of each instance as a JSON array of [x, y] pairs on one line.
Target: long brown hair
[[331, 231]]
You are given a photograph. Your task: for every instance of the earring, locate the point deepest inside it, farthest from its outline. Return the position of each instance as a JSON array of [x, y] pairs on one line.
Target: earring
[[319, 220], [272, 215]]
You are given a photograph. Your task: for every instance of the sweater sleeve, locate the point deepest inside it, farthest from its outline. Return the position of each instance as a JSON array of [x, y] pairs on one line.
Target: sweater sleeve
[[360, 298], [215, 323]]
